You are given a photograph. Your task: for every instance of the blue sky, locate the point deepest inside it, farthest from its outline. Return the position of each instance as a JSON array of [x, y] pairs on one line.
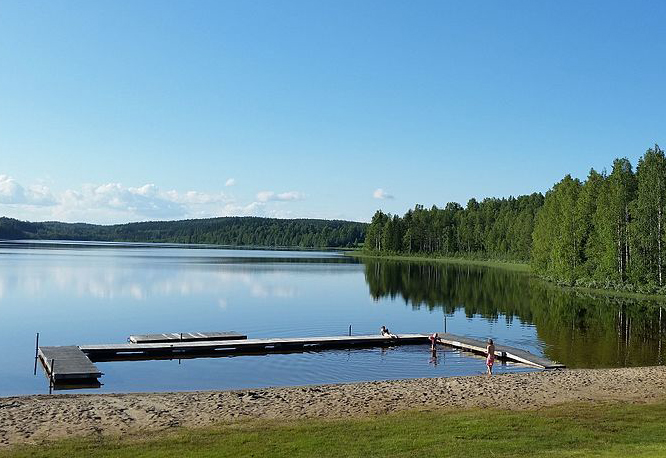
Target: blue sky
[[116, 111]]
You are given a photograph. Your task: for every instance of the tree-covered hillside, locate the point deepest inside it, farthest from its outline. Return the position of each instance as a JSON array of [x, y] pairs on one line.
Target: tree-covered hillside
[[237, 231]]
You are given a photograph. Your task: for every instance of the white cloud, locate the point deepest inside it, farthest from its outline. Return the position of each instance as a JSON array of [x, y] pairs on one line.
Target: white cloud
[[111, 203], [267, 196], [230, 182], [13, 193], [10, 191], [381, 194]]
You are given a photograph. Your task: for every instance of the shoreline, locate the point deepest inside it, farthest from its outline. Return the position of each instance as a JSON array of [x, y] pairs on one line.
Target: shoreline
[[507, 265], [510, 266], [38, 419]]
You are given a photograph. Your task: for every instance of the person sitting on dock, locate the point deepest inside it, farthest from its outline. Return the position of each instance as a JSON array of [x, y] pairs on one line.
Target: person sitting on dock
[[490, 349], [386, 333]]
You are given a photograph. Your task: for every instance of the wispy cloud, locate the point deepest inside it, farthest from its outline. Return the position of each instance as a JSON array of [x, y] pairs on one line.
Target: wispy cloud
[[267, 196], [381, 194], [230, 182]]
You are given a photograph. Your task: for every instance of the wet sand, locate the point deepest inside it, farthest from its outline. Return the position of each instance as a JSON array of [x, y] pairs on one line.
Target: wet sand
[[40, 418]]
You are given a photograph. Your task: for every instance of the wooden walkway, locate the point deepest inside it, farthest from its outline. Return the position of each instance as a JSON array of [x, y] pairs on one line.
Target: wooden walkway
[[233, 347], [185, 337], [501, 351]]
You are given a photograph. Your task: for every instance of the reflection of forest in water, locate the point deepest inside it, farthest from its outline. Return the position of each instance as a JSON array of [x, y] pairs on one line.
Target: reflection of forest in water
[[577, 329]]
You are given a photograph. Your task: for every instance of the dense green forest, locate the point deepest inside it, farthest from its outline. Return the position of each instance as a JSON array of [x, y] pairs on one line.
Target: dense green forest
[[237, 231], [607, 231], [492, 228]]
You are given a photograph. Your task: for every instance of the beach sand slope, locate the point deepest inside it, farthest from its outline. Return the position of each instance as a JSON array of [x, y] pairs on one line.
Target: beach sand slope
[[40, 418]]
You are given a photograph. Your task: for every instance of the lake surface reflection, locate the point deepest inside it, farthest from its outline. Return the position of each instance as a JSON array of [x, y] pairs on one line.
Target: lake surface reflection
[[102, 293]]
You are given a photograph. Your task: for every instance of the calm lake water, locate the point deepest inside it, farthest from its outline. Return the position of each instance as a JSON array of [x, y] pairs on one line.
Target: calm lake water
[[76, 294]]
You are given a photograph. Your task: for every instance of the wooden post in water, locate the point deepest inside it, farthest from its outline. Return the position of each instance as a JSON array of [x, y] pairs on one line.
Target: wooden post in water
[[51, 376], [444, 324], [36, 352], [350, 329]]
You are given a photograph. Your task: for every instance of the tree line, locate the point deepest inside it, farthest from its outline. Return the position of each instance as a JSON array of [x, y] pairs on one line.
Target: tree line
[[235, 231], [607, 231], [493, 228]]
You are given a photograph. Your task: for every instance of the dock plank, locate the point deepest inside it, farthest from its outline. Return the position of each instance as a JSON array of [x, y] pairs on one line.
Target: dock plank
[[185, 337], [67, 363]]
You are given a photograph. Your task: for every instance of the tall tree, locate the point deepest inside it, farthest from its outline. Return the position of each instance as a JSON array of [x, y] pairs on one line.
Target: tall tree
[[612, 220], [648, 226]]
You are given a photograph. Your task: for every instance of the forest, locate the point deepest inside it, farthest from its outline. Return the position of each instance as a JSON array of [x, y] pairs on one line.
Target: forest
[[236, 231], [606, 231], [490, 229]]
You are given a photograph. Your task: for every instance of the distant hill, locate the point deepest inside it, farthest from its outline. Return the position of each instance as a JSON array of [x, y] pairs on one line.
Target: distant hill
[[237, 231]]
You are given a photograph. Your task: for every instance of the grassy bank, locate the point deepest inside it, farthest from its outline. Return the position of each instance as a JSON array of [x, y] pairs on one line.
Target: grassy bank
[[515, 266], [609, 430], [512, 266]]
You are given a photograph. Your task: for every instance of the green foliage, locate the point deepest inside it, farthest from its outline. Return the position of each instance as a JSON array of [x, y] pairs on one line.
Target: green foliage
[[236, 231], [608, 231], [494, 228]]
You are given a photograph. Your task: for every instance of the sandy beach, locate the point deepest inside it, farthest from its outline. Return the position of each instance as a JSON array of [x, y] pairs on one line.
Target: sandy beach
[[35, 419]]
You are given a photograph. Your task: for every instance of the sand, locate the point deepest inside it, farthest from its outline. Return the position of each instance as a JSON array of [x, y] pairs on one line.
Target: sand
[[41, 418]]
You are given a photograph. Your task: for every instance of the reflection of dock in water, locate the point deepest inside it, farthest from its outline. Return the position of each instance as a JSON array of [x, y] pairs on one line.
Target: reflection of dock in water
[[72, 365]]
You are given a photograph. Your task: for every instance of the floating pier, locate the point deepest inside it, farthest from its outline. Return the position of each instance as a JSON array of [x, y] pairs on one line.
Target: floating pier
[[114, 352], [501, 351], [185, 337], [75, 364], [67, 364]]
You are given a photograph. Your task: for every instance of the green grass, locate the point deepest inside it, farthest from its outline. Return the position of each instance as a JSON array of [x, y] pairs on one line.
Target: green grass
[[570, 430]]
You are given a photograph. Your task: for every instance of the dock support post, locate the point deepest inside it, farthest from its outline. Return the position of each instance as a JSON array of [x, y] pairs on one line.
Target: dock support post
[[350, 329], [51, 376], [444, 324], [36, 353]]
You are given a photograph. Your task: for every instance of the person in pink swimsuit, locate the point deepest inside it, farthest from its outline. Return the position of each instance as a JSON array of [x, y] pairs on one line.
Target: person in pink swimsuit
[[490, 349], [434, 340]]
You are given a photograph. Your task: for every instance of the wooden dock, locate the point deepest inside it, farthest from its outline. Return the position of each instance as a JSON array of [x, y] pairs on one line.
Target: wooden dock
[[67, 364], [501, 351], [106, 352], [185, 337], [74, 364]]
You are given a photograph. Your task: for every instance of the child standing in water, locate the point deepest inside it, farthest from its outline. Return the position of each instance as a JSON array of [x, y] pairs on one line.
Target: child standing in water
[[434, 339], [490, 349]]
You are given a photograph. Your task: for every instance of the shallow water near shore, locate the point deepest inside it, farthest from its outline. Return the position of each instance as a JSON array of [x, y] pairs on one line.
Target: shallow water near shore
[[84, 293]]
